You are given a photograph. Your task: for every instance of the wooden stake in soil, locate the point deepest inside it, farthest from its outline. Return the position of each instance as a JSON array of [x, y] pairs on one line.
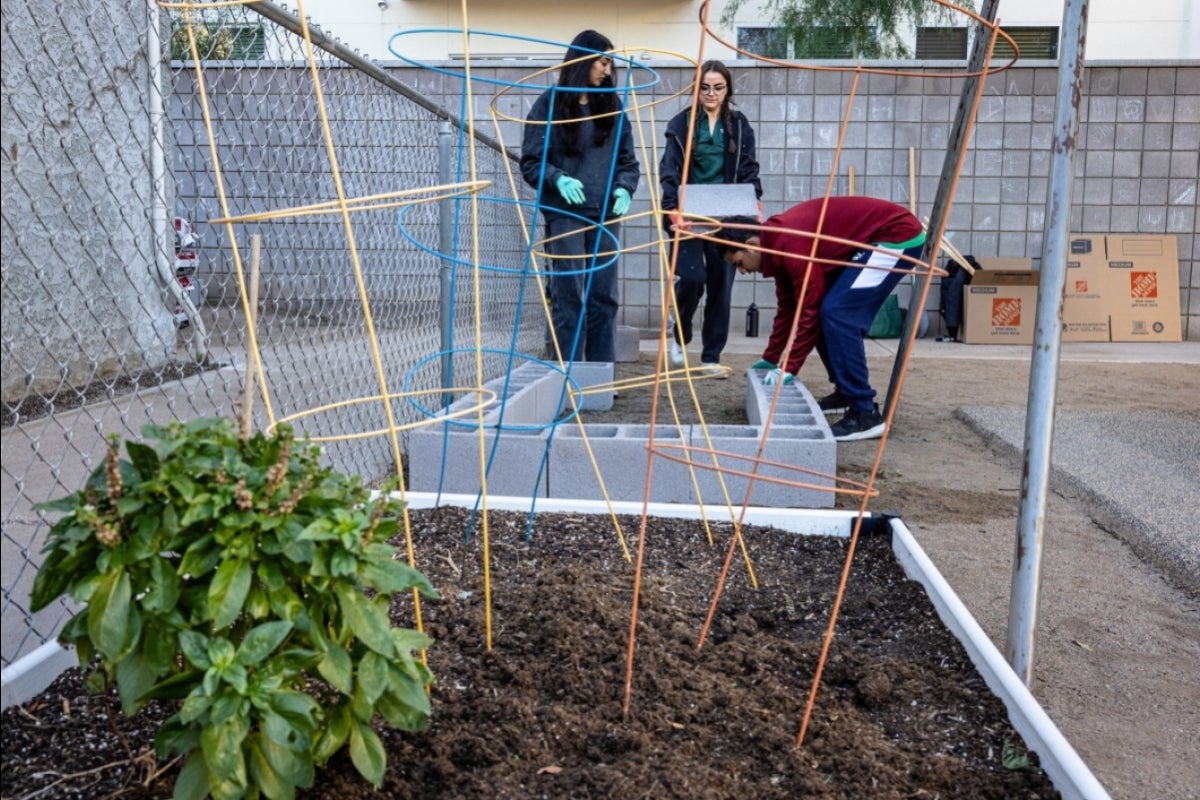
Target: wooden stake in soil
[[251, 353]]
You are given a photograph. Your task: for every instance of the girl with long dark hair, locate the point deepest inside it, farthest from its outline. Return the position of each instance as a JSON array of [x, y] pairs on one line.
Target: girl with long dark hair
[[577, 152]]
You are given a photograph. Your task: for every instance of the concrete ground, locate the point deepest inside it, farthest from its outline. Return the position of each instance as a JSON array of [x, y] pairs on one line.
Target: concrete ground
[[1140, 469]]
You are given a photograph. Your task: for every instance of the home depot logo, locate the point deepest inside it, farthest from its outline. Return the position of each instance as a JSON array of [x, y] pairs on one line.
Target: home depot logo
[[1143, 285], [1006, 312], [1081, 286]]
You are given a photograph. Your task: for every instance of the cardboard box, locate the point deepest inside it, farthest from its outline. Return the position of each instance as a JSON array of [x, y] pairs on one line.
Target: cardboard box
[[1004, 264], [999, 307], [1085, 299], [1143, 288]]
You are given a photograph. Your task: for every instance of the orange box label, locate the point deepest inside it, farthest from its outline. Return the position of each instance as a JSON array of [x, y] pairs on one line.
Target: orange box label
[[1081, 287], [1006, 312], [1143, 285]]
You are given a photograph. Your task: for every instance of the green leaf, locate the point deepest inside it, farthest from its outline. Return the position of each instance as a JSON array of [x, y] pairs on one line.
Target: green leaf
[[337, 731], [143, 458], [368, 621], [109, 615], [192, 781], [175, 738], [134, 679], [395, 576], [291, 763], [228, 592], [366, 751], [337, 668], [410, 640], [373, 672], [261, 641], [174, 687], [265, 777], [297, 707], [399, 715], [222, 746], [195, 648], [409, 691], [200, 558]]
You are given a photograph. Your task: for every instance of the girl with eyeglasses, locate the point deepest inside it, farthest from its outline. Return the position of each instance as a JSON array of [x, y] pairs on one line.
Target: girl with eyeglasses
[[722, 151]]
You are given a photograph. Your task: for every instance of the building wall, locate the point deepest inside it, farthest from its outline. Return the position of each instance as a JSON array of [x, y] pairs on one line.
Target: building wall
[[82, 296], [1117, 29], [1136, 167]]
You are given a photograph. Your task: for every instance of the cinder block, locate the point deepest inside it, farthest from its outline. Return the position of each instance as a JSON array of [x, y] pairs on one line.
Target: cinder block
[[808, 447], [628, 340], [587, 374], [794, 399], [620, 456], [434, 450]]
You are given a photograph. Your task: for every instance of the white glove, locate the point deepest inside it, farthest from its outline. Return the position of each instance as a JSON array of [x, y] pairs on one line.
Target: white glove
[[777, 375]]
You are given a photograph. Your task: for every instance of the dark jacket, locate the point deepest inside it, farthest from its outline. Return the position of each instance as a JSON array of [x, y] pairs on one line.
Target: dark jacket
[[591, 166], [741, 165]]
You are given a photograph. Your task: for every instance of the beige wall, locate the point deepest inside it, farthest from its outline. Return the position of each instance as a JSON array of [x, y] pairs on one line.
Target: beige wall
[[1118, 29]]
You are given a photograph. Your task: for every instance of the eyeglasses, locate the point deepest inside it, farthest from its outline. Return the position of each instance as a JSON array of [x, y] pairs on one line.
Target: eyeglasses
[[706, 89]]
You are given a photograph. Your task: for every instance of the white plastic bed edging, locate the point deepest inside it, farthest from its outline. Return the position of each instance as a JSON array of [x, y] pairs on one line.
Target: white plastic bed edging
[[1058, 758], [29, 675]]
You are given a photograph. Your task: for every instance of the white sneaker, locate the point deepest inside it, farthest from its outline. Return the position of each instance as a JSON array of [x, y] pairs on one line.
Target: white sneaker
[[716, 370], [676, 354]]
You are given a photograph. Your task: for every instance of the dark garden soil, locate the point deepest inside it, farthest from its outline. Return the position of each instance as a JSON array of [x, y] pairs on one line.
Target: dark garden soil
[[901, 712]]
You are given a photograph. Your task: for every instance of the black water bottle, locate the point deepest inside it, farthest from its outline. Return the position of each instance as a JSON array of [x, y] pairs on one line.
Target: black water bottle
[[752, 320]]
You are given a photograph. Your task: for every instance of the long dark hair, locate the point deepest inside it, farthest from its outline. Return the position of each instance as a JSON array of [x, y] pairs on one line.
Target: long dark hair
[[727, 102], [601, 104]]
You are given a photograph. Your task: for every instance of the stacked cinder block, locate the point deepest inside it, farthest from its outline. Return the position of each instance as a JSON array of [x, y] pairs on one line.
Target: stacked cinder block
[[620, 454], [530, 460]]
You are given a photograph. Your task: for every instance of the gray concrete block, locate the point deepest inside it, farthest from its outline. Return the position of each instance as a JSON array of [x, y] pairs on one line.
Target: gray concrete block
[[620, 453], [627, 341], [734, 449], [588, 374], [455, 452]]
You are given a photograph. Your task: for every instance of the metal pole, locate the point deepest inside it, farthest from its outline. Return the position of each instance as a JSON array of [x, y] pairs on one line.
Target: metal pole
[[446, 272], [959, 134], [1047, 338]]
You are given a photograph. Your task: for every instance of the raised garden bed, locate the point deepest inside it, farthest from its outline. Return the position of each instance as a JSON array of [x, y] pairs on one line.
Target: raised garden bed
[[902, 711]]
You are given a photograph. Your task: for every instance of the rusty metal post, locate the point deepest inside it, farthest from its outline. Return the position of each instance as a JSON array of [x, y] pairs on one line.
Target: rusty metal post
[[1047, 339], [960, 132]]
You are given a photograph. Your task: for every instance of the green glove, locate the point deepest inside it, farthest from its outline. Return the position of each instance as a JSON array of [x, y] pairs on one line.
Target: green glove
[[762, 363], [621, 200], [777, 376], [570, 189]]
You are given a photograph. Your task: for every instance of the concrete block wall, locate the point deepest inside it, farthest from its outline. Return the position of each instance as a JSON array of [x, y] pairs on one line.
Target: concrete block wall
[[1136, 167], [620, 454], [578, 457]]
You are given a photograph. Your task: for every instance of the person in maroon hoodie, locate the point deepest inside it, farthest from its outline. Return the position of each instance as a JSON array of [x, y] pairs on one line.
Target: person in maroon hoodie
[[835, 259]]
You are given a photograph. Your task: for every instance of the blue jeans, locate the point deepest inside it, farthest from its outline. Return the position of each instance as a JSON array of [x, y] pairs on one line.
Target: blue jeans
[[847, 311], [583, 301]]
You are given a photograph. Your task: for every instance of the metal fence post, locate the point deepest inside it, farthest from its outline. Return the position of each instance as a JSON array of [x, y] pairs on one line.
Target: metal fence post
[[1047, 340], [446, 272]]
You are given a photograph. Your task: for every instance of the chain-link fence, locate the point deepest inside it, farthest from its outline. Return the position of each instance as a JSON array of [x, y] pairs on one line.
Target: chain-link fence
[[106, 142]]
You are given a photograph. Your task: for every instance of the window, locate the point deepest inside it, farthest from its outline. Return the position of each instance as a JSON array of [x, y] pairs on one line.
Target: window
[[938, 44], [811, 43], [1032, 42], [768, 42], [219, 40], [824, 42]]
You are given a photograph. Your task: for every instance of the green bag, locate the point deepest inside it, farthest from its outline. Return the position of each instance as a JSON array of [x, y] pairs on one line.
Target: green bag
[[889, 320]]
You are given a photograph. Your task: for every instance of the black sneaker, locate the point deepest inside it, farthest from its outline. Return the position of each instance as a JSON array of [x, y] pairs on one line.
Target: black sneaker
[[834, 403], [858, 425]]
